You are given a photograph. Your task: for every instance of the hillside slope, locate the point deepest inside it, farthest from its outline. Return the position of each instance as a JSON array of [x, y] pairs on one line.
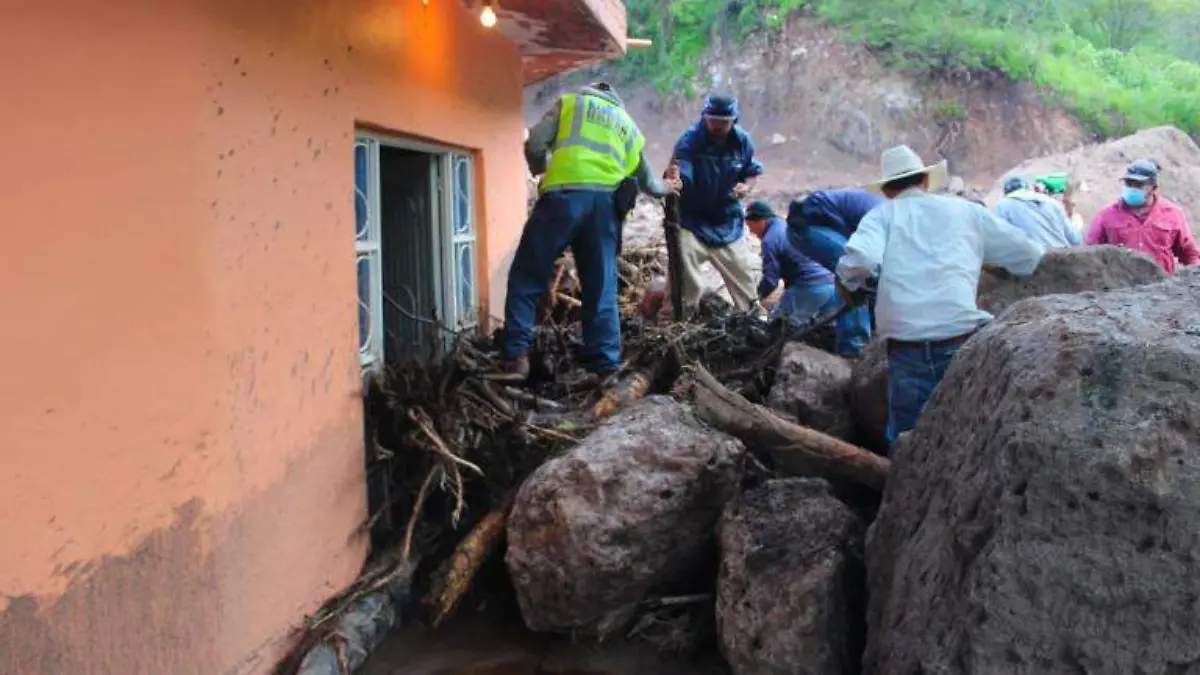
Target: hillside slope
[[822, 108]]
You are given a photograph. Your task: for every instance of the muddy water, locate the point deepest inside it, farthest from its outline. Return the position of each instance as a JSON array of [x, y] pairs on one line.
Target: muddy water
[[485, 646]]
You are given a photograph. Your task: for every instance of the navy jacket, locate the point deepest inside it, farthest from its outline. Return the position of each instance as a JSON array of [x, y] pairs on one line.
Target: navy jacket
[[840, 210], [709, 173], [781, 260]]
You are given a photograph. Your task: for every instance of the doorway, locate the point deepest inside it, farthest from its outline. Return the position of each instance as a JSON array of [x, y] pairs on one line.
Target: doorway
[[415, 246]]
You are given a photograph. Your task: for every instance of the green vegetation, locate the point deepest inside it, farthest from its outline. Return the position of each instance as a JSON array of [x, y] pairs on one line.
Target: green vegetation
[[1117, 64]]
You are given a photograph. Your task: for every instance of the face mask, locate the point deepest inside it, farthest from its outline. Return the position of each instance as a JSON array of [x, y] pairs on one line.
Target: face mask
[[1133, 196]]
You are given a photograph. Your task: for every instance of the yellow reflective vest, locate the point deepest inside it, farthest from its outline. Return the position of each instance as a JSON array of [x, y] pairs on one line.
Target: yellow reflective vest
[[598, 145]]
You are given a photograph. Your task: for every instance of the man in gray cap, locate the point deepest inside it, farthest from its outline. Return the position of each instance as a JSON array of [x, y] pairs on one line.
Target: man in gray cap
[[1036, 214], [1143, 220]]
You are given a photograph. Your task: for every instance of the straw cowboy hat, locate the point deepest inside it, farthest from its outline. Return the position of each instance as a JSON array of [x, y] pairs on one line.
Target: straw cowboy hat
[[902, 162]]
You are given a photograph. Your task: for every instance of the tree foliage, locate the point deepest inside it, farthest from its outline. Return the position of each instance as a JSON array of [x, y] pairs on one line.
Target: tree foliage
[[1118, 64]]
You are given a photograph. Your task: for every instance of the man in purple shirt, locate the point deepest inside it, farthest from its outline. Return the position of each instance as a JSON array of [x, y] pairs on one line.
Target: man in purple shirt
[[809, 286]]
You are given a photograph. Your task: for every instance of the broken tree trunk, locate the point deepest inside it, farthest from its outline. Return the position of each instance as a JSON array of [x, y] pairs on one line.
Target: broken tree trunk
[[456, 575], [756, 426], [630, 388]]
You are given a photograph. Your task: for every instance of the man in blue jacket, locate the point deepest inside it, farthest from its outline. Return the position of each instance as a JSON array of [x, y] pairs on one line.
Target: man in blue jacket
[[712, 170], [809, 287], [819, 225]]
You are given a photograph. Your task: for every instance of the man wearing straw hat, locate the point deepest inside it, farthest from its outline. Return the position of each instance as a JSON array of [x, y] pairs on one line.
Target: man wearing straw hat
[[927, 251]]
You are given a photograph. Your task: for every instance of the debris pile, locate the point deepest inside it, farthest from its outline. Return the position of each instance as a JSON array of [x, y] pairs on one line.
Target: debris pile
[[703, 500]]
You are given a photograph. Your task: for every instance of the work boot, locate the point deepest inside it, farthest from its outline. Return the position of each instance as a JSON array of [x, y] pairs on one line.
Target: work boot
[[515, 370], [605, 379]]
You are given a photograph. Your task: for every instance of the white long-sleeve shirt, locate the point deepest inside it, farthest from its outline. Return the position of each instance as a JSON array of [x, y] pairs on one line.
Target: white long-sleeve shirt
[[928, 251]]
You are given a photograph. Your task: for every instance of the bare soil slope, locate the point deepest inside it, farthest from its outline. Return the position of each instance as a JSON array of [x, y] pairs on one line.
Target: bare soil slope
[[1098, 168], [822, 108]]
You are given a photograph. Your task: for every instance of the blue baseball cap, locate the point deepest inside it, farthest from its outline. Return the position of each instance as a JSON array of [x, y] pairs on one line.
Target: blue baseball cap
[[1014, 183], [1142, 171], [720, 106]]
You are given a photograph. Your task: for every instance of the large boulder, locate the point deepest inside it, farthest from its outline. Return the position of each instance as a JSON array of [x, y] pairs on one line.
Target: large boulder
[[811, 388], [868, 395], [1044, 515], [1070, 270], [635, 503], [1063, 270], [790, 592]]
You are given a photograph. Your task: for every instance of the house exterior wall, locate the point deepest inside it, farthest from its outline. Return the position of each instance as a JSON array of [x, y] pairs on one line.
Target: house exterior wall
[[181, 410]]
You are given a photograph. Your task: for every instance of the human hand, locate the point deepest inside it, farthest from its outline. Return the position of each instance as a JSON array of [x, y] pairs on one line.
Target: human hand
[[672, 180], [740, 191], [844, 293]]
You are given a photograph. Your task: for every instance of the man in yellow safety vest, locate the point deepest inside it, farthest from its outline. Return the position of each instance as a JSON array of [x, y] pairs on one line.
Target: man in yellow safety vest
[[587, 187]]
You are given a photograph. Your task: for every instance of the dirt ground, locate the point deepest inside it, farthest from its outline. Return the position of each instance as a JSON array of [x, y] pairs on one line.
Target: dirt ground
[[493, 645]]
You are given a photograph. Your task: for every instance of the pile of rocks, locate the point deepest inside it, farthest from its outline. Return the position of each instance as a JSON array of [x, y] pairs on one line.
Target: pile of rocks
[[1041, 518]]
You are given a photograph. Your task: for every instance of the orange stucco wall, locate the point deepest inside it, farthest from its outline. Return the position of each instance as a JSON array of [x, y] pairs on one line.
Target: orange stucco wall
[[180, 409]]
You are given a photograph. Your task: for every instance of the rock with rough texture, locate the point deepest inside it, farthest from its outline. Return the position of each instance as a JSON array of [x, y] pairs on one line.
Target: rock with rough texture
[[868, 395], [1064, 270], [790, 589], [635, 503], [1070, 270], [811, 388], [1044, 515]]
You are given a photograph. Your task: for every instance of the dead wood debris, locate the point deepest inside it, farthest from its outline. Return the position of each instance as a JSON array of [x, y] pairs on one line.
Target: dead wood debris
[[452, 444]]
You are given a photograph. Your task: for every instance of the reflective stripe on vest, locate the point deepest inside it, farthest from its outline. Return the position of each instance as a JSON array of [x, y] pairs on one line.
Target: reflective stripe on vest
[[598, 145]]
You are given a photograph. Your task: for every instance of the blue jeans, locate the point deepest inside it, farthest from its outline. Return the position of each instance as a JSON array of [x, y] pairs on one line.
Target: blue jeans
[[586, 222], [913, 372], [826, 246], [801, 303]]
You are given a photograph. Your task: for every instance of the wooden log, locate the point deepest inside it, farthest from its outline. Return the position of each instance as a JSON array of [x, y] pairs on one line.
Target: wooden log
[[757, 426], [456, 575], [567, 300], [630, 388]]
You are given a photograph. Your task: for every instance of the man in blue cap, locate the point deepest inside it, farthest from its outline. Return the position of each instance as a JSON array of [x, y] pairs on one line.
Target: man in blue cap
[[588, 151], [712, 170], [819, 225]]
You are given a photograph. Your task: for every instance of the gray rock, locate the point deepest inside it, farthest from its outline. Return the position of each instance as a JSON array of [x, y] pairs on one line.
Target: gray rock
[[811, 388], [635, 503], [790, 589], [1070, 270], [868, 395], [1064, 270], [1044, 515]]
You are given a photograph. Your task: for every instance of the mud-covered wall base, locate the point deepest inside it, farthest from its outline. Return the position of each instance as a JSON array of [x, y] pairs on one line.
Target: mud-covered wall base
[[195, 597]]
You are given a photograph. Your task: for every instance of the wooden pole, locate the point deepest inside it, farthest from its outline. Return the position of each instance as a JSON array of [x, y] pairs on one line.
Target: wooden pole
[[757, 426]]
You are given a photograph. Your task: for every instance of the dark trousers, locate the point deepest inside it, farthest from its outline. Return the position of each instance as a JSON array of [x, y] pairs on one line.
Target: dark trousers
[[826, 246], [914, 369], [586, 222]]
